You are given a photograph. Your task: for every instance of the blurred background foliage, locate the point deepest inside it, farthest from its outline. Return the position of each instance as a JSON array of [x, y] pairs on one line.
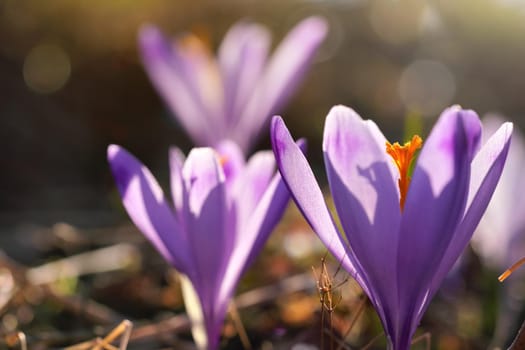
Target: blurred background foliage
[[72, 83]]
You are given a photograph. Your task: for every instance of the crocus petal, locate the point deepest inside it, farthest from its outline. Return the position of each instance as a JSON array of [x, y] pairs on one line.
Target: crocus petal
[[500, 225], [145, 203], [210, 241], [174, 84], [438, 191], [354, 156], [299, 178], [202, 73], [366, 198], [282, 75], [232, 161], [242, 57], [252, 237], [290, 59], [381, 140], [193, 309], [434, 206], [252, 185], [486, 170], [272, 197], [513, 174], [178, 192]]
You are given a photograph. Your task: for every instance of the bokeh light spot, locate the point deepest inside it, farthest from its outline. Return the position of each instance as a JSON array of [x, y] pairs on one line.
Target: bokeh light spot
[[427, 87], [396, 22], [47, 68]]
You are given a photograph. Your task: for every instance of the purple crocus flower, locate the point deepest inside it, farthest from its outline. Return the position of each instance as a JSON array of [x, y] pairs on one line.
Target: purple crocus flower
[[398, 245], [233, 96], [223, 211]]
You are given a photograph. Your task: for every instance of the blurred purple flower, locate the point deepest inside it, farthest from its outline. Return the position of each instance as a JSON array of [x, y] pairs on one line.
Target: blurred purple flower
[[398, 254], [500, 237], [223, 211], [233, 96]]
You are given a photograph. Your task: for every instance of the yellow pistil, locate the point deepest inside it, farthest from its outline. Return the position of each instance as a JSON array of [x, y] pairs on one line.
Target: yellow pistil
[[403, 156], [510, 270]]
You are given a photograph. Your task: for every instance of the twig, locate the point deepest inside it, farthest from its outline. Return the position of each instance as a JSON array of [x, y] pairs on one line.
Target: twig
[[340, 342], [354, 318], [181, 323], [427, 337], [8, 287], [234, 314], [261, 295], [92, 310], [16, 338], [123, 330], [22, 340], [173, 325], [116, 257], [371, 342], [519, 341], [101, 314]]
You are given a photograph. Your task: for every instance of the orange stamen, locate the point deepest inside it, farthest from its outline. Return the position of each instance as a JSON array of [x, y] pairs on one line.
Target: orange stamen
[[223, 160], [193, 43], [198, 40], [403, 156], [510, 270]]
